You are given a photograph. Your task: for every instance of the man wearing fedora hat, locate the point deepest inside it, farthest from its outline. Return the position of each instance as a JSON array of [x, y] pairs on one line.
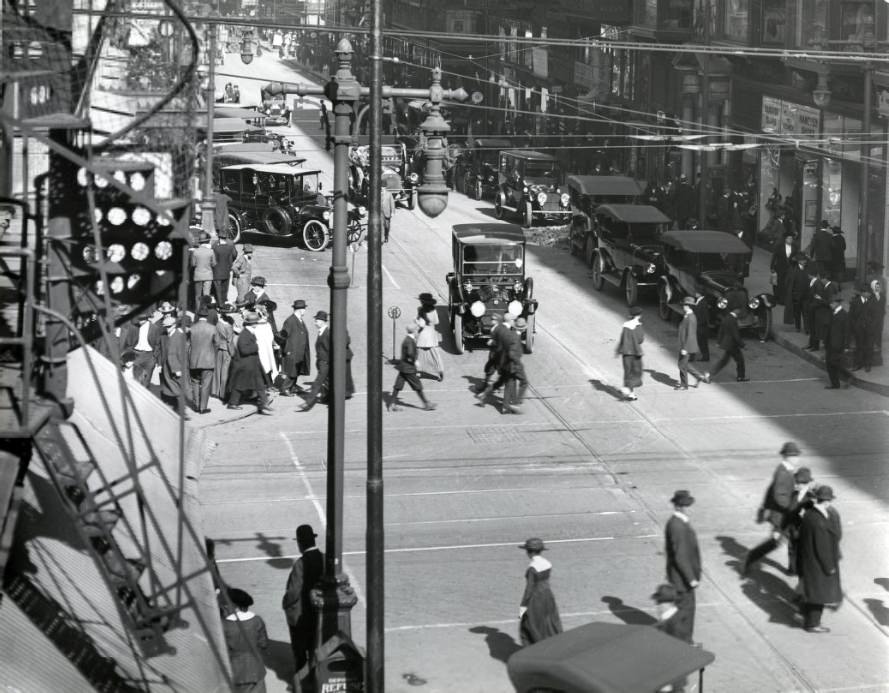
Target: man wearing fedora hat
[[173, 360], [242, 271], [258, 295], [818, 559], [683, 562], [203, 260], [226, 253], [321, 385], [797, 291], [407, 370], [776, 505], [201, 360], [538, 614], [729, 339], [688, 343], [803, 499], [302, 617], [836, 343], [860, 314], [296, 354]]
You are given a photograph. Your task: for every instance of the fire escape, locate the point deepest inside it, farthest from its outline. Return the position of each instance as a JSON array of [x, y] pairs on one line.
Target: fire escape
[[90, 246]]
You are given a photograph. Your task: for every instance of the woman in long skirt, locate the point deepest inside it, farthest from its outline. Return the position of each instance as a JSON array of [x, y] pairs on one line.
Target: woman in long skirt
[[246, 639], [629, 348], [265, 340], [538, 613], [428, 353]]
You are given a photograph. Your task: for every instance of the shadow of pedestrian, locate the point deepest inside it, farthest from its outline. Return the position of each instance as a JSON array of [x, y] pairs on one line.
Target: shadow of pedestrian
[[769, 592], [500, 645], [628, 614], [879, 610], [278, 657], [476, 383], [607, 389], [661, 378], [273, 550], [882, 582]]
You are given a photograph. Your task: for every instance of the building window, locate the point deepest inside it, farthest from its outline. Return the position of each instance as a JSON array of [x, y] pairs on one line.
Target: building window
[[458, 26], [774, 21], [735, 26], [857, 22], [810, 28], [677, 15]]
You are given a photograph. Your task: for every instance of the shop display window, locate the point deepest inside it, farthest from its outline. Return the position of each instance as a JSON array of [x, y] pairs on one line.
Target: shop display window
[[736, 20], [857, 21], [811, 23], [832, 191], [774, 21]]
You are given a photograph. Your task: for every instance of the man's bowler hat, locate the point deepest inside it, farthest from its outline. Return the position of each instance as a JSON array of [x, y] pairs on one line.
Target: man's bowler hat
[[803, 475], [321, 315], [258, 281], [251, 318], [682, 498], [789, 449], [533, 544], [299, 303], [824, 493], [635, 310], [305, 534], [664, 593]]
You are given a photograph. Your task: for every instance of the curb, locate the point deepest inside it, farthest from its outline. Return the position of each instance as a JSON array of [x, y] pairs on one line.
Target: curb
[[818, 361]]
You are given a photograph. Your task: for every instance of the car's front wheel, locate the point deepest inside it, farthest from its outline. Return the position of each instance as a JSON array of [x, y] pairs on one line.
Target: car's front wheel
[[764, 331], [631, 288], [598, 267], [315, 235], [233, 227], [528, 216], [459, 345]]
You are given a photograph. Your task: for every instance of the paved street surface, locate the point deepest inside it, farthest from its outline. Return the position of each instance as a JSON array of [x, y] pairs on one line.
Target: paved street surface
[[588, 473]]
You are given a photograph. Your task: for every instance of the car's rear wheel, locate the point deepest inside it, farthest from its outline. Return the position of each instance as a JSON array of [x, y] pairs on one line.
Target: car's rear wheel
[[277, 221], [663, 306], [765, 325], [412, 199], [315, 236], [459, 345], [598, 267], [499, 212], [528, 216], [631, 288], [233, 227], [529, 335]]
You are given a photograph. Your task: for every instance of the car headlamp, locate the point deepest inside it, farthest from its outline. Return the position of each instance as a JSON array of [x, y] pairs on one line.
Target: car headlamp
[[414, 178], [514, 308], [722, 303], [325, 214], [650, 268], [565, 198], [477, 309], [517, 285], [753, 304], [525, 190], [541, 198]]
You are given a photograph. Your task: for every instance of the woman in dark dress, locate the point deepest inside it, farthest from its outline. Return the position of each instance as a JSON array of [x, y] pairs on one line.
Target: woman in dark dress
[[538, 613], [245, 638], [629, 348]]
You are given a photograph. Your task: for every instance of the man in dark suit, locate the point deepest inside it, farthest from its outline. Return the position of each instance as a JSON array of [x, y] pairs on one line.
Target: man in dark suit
[[225, 253], [683, 562], [776, 504], [818, 561], [823, 292], [323, 354], [142, 340], [302, 617], [797, 291], [201, 361], [860, 315], [836, 343], [821, 249], [702, 315], [729, 339], [688, 344], [296, 353], [173, 360], [495, 348], [782, 260], [407, 370]]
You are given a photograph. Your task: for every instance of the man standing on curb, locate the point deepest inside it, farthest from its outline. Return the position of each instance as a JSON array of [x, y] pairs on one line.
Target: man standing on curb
[[302, 618], [775, 506], [688, 344], [683, 562], [835, 344]]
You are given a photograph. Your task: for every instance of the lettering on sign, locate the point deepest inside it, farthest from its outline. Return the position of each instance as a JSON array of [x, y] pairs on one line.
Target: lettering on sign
[[343, 685]]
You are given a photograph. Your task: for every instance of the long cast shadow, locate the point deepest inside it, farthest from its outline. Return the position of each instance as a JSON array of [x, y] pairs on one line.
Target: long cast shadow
[[661, 378], [628, 614], [612, 390], [278, 657], [879, 611], [500, 645]]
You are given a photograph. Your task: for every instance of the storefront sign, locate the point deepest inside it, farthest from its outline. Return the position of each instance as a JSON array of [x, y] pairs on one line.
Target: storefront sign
[[771, 114], [789, 118], [540, 62]]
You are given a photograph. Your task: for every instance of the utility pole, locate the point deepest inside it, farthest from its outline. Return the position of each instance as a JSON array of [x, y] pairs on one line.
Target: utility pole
[[208, 206]]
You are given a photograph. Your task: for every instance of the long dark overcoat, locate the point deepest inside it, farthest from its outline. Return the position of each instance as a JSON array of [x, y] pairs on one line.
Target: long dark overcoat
[[246, 371], [297, 355], [818, 556]]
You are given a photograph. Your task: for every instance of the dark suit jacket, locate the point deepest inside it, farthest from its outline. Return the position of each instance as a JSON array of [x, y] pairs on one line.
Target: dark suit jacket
[[408, 362], [201, 350], [683, 555], [297, 354], [304, 576], [322, 347], [822, 245], [729, 336], [225, 258], [779, 496], [837, 332]]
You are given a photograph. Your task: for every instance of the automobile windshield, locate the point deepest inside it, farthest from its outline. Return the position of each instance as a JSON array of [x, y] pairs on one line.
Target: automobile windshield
[[390, 154], [541, 169], [492, 260], [722, 262], [646, 233]]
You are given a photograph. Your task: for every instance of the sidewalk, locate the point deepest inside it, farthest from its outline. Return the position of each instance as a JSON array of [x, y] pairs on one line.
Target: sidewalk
[[786, 335]]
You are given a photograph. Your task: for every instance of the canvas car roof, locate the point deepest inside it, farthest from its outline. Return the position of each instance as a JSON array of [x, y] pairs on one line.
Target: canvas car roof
[[489, 232], [702, 241], [529, 154], [605, 658], [634, 214], [270, 168], [257, 158], [221, 111], [605, 185]]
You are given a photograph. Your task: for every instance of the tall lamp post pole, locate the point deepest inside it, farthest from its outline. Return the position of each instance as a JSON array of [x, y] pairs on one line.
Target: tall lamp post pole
[[208, 206], [335, 598]]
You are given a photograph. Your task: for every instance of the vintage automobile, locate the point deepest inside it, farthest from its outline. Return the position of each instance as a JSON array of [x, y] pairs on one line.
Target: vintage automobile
[[528, 187], [397, 176], [475, 170], [276, 112], [251, 153], [587, 193], [277, 199], [489, 277], [714, 264], [628, 250]]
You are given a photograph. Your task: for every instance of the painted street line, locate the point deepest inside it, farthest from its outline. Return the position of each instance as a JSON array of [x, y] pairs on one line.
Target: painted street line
[[391, 278]]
